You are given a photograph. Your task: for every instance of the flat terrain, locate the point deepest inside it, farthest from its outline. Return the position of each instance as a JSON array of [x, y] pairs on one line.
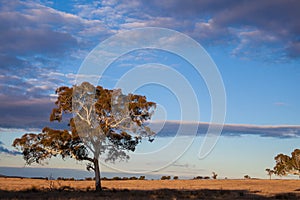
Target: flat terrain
[[16, 188]]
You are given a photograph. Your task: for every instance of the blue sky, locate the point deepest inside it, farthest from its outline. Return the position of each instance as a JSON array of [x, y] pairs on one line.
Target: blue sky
[[254, 44]]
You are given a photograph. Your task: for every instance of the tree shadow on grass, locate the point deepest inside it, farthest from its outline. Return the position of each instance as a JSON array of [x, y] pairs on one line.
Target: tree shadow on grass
[[111, 194]]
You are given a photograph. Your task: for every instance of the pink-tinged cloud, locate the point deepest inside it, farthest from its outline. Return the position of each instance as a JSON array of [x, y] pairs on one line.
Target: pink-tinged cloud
[[280, 104]]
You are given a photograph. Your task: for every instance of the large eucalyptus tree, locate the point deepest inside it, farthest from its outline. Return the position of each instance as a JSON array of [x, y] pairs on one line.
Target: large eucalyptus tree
[[102, 122], [288, 164]]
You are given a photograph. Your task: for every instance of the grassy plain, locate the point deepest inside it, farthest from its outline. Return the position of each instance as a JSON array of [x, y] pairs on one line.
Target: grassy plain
[[17, 188]]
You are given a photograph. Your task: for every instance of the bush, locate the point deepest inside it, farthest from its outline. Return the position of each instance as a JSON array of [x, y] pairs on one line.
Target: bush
[[198, 177], [165, 178], [175, 177], [116, 178], [142, 178], [88, 178], [206, 177], [65, 179], [247, 177], [133, 178]]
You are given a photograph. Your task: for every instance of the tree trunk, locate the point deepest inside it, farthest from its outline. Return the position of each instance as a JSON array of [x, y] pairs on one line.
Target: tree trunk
[[97, 175]]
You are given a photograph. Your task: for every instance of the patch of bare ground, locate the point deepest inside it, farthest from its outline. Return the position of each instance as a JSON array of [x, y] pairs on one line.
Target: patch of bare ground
[[16, 188]]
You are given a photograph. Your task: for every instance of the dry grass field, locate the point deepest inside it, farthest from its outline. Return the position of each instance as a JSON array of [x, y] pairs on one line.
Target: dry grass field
[[16, 188]]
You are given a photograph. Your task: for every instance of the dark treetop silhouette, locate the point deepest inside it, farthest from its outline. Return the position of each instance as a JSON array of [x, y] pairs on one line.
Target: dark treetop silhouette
[[104, 122]]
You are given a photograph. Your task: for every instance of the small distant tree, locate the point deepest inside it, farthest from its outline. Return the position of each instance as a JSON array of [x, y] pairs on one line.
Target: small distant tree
[[214, 175], [247, 177], [270, 172], [175, 177], [101, 122], [165, 178], [288, 164]]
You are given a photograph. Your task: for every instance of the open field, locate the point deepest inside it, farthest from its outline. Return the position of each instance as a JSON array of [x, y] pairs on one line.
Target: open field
[[150, 189]]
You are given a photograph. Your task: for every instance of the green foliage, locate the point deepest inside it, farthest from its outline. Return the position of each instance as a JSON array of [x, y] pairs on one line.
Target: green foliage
[[38, 147], [288, 164]]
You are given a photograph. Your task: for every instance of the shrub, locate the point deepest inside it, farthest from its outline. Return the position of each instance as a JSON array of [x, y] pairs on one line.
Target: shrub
[[247, 177], [165, 178], [65, 179], [175, 177], [142, 178], [198, 177], [116, 178], [133, 178]]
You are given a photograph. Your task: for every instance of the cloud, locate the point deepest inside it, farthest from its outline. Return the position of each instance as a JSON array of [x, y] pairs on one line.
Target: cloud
[[170, 129], [34, 35], [280, 104], [22, 34], [243, 24], [4, 150], [17, 112], [43, 44], [27, 102]]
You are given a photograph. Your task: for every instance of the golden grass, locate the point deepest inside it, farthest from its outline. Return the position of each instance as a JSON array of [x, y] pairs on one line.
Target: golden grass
[[262, 188]]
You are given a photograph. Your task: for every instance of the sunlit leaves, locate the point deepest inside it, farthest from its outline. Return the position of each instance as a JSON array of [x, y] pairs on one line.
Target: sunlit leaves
[[288, 164], [103, 122]]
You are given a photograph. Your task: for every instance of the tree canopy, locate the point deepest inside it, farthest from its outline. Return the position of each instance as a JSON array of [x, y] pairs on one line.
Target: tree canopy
[[270, 172], [102, 122], [288, 164]]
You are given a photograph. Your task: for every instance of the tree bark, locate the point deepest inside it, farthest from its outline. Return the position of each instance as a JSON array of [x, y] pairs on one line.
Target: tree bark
[[97, 175]]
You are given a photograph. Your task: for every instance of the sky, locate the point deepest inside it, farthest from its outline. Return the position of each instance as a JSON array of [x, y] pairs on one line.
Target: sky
[[254, 46]]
